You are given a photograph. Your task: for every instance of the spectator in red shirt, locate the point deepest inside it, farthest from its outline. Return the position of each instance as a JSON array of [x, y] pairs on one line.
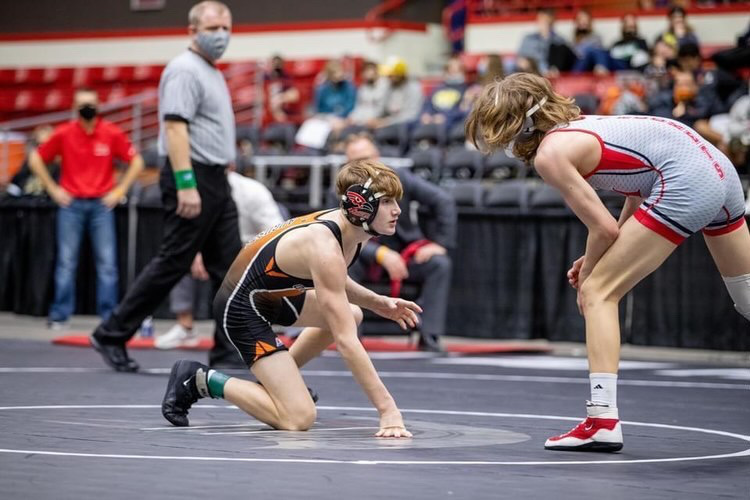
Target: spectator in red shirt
[[86, 195]]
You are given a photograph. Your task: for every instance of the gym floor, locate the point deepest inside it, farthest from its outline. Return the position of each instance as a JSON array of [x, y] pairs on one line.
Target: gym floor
[[74, 429]]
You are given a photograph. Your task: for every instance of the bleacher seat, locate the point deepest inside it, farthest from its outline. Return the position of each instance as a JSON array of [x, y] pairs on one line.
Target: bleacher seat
[[427, 163], [278, 137], [467, 194], [396, 135], [249, 133], [499, 166], [512, 194], [462, 164], [456, 135], [427, 134]]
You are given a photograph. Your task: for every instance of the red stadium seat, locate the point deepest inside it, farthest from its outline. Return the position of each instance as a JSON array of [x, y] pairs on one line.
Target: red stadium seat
[[29, 76], [147, 73], [304, 68], [7, 77], [58, 100], [59, 77]]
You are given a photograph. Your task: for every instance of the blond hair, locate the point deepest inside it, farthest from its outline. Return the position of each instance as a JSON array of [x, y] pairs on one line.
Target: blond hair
[[499, 113], [384, 179], [196, 12]]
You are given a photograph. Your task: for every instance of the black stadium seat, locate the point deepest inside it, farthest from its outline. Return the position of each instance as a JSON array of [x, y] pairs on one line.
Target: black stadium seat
[[462, 164], [427, 163]]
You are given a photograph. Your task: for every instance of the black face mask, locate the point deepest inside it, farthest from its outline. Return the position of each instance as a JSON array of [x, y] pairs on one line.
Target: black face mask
[[87, 112]]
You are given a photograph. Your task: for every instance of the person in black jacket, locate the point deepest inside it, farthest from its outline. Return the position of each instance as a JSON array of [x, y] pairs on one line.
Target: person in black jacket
[[408, 253], [630, 51]]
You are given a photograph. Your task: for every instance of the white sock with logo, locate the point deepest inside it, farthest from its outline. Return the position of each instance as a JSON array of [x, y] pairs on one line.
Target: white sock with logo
[[604, 389]]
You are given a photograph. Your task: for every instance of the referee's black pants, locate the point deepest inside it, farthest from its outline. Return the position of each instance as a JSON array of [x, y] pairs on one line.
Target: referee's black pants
[[214, 233]]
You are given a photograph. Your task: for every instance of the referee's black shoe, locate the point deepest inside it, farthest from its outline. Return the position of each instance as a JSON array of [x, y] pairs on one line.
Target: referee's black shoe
[[115, 355], [187, 384]]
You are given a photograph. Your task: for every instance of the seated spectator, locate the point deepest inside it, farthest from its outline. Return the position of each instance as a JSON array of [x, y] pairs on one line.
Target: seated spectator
[[402, 99], [657, 73], [730, 131], [630, 51], [489, 69], [408, 253], [588, 46], [689, 59], [680, 103], [626, 97], [335, 97], [370, 96], [546, 48], [334, 100], [443, 106], [282, 98], [679, 32], [526, 65]]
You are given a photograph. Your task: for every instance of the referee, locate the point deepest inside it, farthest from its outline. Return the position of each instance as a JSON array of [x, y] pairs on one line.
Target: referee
[[197, 136]]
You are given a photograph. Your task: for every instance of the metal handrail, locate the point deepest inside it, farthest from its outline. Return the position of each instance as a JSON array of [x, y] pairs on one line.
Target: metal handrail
[[316, 165]]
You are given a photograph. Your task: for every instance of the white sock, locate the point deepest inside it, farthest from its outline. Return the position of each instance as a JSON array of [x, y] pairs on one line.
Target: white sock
[[604, 389]]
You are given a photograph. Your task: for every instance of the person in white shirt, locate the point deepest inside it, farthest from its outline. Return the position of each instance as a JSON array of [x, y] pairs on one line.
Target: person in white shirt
[[257, 211]]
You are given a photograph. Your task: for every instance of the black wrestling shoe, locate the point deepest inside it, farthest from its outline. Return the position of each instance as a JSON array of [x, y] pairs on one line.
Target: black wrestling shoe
[[187, 384], [115, 355]]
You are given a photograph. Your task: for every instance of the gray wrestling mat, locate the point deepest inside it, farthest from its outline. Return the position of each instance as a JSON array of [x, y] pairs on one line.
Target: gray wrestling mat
[[74, 429]]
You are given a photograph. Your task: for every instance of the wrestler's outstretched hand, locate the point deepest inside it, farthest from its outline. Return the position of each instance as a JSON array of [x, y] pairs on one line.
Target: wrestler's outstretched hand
[[401, 311], [392, 426]]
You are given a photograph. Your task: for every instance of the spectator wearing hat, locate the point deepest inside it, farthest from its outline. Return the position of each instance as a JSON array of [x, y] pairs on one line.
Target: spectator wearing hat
[[402, 99]]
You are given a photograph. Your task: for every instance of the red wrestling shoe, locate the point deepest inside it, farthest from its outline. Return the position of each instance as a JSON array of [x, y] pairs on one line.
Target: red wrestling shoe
[[601, 431]]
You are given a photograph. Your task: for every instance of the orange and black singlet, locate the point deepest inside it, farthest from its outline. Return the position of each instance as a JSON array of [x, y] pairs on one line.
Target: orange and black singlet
[[256, 293]]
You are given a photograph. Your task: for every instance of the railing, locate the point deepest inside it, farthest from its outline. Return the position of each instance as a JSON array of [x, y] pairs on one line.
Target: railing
[[316, 164], [137, 115]]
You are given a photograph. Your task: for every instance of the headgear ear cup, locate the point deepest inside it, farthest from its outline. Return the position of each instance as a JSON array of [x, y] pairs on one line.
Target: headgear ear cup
[[527, 130], [360, 205]]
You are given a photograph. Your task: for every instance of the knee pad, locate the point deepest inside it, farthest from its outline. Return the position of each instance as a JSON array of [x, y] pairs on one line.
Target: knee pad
[[739, 290]]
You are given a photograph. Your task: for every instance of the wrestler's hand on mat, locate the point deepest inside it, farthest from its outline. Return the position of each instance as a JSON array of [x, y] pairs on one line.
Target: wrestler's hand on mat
[[573, 272], [188, 203], [403, 312], [392, 425]]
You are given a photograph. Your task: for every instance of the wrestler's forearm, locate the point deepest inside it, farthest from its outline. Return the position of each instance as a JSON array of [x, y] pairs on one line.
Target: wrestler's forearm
[[361, 296]]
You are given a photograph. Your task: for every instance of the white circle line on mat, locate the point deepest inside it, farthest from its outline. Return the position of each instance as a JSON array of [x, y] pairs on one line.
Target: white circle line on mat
[[429, 376], [741, 437]]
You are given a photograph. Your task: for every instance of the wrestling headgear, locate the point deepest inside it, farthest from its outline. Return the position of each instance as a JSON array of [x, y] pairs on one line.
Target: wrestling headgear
[[360, 205]]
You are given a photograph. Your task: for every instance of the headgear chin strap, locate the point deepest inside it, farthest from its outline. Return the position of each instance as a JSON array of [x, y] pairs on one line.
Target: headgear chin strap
[[527, 131], [360, 205]]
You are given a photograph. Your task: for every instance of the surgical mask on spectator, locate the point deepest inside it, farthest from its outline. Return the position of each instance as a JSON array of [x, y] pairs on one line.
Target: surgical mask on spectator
[[87, 111], [212, 44]]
